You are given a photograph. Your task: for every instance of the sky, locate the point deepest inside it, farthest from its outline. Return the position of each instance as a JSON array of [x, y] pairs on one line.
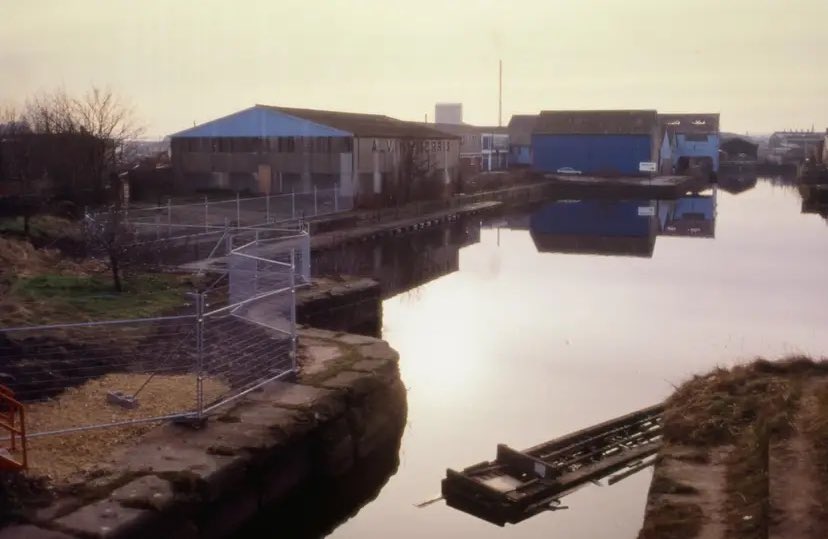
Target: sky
[[762, 64]]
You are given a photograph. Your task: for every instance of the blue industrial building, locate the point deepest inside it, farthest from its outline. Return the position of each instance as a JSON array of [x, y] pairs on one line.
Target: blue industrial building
[[690, 141], [520, 139], [595, 143], [608, 227]]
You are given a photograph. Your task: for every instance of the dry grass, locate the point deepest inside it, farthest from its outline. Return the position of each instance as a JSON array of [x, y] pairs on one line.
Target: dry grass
[[59, 457], [20, 258], [715, 408], [747, 407]]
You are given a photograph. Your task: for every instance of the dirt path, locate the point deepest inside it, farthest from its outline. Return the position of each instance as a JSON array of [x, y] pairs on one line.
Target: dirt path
[[687, 484], [795, 510]]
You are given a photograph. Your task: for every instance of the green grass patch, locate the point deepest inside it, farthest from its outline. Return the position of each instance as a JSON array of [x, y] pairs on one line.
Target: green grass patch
[[60, 298]]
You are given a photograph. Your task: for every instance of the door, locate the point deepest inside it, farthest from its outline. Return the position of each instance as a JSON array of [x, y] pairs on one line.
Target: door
[[346, 175], [263, 178]]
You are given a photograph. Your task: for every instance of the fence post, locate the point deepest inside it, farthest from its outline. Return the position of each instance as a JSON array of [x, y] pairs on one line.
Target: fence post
[[169, 217], [293, 204], [200, 355], [267, 209], [336, 196], [315, 205], [238, 210], [293, 309], [206, 216], [157, 227]]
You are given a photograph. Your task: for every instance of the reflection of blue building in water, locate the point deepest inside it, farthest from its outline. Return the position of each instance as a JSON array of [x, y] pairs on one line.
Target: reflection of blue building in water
[[607, 227], [693, 216]]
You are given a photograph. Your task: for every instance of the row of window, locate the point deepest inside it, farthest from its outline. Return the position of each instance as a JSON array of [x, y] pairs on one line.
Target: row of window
[[295, 144], [269, 144]]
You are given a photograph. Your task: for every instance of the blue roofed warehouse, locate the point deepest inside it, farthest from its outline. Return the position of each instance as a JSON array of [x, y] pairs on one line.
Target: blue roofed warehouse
[[596, 142], [369, 158]]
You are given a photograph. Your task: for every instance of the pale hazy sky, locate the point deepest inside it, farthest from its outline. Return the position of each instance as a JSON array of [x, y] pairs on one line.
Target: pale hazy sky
[[762, 64]]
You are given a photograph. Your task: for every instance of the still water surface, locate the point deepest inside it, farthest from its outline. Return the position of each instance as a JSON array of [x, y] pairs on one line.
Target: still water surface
[[531, 338]]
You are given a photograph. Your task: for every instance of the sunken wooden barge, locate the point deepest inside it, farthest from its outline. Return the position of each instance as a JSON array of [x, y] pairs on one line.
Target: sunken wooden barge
[[520, 484]]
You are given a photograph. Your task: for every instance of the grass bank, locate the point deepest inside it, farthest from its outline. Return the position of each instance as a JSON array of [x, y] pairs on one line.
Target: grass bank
[[768, 417]]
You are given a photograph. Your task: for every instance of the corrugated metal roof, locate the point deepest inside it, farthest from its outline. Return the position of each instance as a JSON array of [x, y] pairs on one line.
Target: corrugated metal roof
[[690, 123], [261, 121], [596, 122], [366, 125], [521, 127]]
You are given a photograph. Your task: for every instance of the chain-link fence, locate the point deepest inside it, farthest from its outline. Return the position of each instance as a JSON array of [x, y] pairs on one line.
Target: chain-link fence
[[222, 340]]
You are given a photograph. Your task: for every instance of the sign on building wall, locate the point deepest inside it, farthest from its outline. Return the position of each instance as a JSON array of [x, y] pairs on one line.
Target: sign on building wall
[[647, 166], [390, 145]]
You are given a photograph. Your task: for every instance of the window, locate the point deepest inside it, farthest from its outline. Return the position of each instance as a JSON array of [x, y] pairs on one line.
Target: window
[[286, 144]]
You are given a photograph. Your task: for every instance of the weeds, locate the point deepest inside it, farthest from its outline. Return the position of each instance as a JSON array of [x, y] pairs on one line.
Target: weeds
[[714, 409]]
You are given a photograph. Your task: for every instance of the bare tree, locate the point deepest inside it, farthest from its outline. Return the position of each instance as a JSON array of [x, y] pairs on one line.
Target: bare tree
[[110, 235], [416, 170], [100, 115]]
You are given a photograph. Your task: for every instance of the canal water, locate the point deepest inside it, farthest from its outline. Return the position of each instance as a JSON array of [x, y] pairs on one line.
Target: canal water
[[527, 326]]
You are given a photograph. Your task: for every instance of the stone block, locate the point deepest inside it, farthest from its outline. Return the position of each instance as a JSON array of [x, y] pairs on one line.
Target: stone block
[[283, 423], [56, 509], [148, 492], [308, 398], [315, 333], [379, 350], [25, 531], [357, 340], [356, 384], [383, 369], [252, 432], [109, 519], [210, 473]]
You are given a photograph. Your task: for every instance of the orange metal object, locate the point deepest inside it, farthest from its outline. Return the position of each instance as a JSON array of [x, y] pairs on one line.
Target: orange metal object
[[13, 420]]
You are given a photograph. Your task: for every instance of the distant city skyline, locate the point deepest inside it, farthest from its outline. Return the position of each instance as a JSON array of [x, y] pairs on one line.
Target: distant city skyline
[[760, 64]]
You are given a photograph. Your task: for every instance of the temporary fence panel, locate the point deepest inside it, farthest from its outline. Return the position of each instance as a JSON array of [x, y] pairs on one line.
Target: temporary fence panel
[[87, 375], [251, 339]]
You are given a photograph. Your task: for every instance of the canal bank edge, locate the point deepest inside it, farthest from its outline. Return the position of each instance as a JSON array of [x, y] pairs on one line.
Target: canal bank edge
[[347, 403], [744, 454]]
